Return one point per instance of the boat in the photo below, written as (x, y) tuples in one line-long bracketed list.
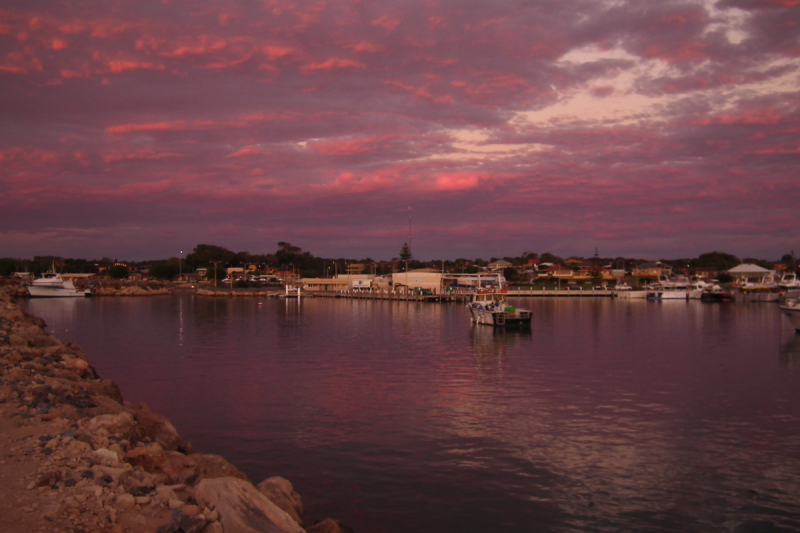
[(697, 288), (789, 282), (666, 289), (764, 290), (622, 287), (790, 307), (491, 309), (715, 293), (52, 285)]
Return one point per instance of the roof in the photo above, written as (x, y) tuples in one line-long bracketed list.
[(748, 268), (501, 262), (555, 268), (648, 266)]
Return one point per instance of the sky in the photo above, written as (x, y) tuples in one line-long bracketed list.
[(640, 128)]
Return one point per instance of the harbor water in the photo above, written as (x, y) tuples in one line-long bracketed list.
[(606, 415)]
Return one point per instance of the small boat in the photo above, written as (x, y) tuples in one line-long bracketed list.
[(715, 293), (52, 285), (491, 308), (789, 282), (666, 289), (790, 307), (622, 287)]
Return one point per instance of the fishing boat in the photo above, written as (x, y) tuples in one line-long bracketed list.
[(715, 293), (52, 285), (491, 309), (790, 307)]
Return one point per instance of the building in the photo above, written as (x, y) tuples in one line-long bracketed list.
[(651, 270), (419, 279), (557, 271), (749, 271)]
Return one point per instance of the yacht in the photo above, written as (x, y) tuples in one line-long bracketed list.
[(789, 282), (52, 285), (666, 289), (790, 307), (491, 308)]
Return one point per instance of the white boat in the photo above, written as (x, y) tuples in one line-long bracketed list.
[(789, 282), (696, 289), (52, 285), (790, 307), (666, 289), (491, 308), (622, 287)]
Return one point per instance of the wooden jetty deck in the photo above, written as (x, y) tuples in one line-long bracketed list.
[(460, 296)]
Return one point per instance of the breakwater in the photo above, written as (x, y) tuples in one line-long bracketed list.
[(77, 457)]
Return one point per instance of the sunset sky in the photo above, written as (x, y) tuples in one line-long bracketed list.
[(651, 129)]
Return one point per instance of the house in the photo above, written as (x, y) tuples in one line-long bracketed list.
[(355, 268), (424, 278), (325, 284), (595, 272), (651, 270), (703, 272), (500, 264), (557, 271)]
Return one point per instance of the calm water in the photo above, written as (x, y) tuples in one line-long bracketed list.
[(394, 417)]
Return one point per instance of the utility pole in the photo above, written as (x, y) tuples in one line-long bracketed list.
[(409, 245)]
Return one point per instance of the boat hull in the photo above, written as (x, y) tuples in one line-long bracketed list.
[(518, 318), (793, 314), (56, 292)]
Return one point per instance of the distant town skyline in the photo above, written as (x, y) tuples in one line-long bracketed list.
[(649, 129)]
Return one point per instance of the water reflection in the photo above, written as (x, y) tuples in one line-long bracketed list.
[(491, 346), (790, 352)]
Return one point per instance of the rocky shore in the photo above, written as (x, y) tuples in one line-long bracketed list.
[(76, 458)]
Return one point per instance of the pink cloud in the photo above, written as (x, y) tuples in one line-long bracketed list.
[(333, 64), (386, 22), (367, 47), (119, 66), (247, 151), (456, 182)]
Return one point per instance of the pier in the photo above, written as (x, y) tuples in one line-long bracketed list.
[(464, 295)]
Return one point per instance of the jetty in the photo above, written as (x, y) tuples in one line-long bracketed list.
[(463, 295)]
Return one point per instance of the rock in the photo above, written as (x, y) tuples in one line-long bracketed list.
[(126, 501), (78, 366), (157, 427), (281, 492), (214, 527), (151, 458), (175, 503), (242, 508), (164, 494), (214, 466), (186, 469), (191, 510), (329, 525), (122, 423), (189, 523), (106, 457), (211, 515)]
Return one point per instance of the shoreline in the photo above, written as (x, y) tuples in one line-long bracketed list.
[(77, 457)]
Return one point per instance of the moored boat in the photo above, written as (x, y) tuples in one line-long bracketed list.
[(491, 308), (790, 307), (715, 293), (52, 285)]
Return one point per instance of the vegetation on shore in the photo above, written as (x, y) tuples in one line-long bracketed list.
[(293, 258)]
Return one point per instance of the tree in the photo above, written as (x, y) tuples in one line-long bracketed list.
[(164, 270), (718, 260), (118, 271), (405, 253), (510, 273)]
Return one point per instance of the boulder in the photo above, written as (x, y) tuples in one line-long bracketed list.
[(214, 466), (151, 458), (122, 423), (156, 426), (186, 469), (281, 492), (242, 508)]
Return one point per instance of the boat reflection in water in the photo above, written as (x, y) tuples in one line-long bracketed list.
[(491, 346), (790, 352)]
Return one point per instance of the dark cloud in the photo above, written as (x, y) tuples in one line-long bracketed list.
[(142, 127)]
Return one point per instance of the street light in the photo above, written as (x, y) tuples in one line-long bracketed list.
[(180, 266)]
